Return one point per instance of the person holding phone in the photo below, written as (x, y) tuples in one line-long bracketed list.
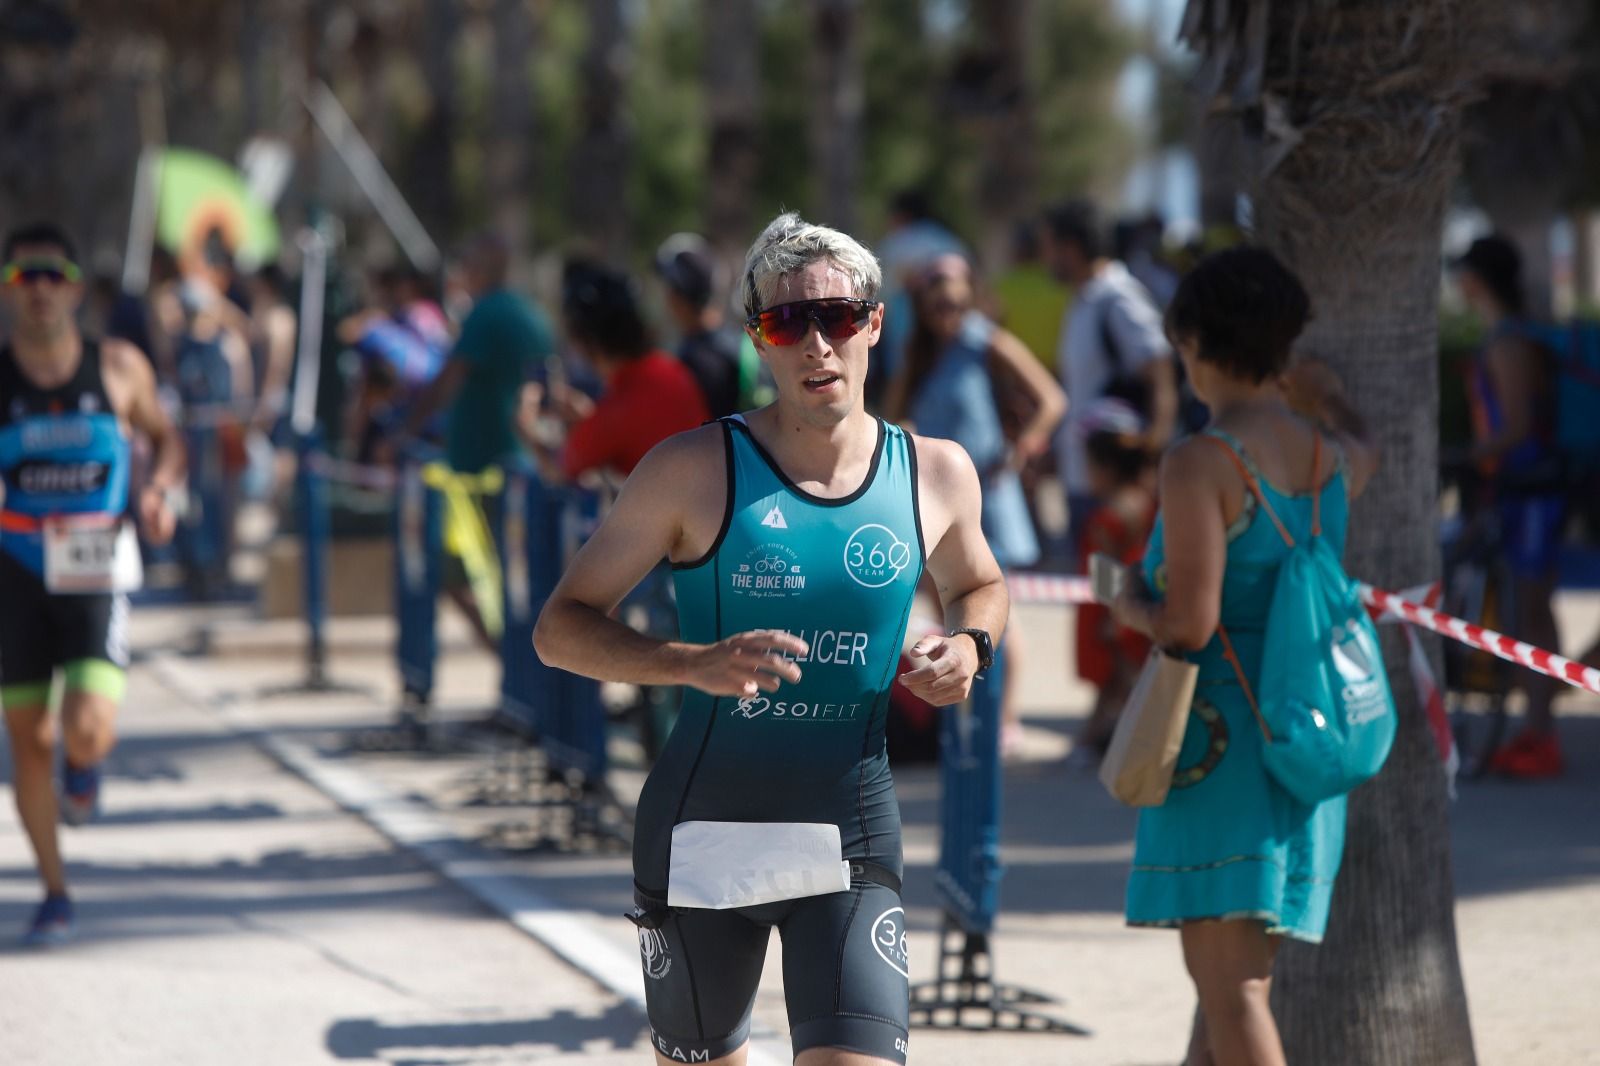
[(1231, 859)]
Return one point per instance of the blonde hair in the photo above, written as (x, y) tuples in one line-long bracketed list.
[(789, 244)]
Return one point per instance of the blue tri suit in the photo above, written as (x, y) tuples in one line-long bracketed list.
[(62, 452), (840, 574)]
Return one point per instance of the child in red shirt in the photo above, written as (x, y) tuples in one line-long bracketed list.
[(1122, 477)]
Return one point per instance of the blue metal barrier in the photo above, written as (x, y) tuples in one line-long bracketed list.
[(418, 557), (964, 993), (542, 527), (968, 876), (314, 515), (311, 498)]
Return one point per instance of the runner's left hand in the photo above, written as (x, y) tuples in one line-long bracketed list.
[(155, 516), (946, 675)]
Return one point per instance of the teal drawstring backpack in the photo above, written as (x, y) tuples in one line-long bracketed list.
[(1325, 710)]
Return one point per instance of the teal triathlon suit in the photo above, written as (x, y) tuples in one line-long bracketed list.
[(840, 574), (62, 451)]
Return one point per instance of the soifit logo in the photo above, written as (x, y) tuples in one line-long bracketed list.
[(774, 519)]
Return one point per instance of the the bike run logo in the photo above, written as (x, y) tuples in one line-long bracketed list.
[(769, 571), (875, 555)]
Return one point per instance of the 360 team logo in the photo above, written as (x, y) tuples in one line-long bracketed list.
[(653, 950), (889, 940), (875, 555)]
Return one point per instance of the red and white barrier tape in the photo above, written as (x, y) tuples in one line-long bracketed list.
[(1055, 588), (1474, 636)]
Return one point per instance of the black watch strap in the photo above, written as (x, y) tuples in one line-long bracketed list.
[(985, 644)]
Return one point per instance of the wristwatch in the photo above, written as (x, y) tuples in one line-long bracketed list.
[(985, 644)]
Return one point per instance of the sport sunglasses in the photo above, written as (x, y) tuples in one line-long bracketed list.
[(55, 271), (838, 318)]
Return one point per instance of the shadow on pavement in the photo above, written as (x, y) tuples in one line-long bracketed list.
[(217, 812), (365, 1039), (1067, 845)]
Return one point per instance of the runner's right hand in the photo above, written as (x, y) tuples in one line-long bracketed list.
[(745, 664)]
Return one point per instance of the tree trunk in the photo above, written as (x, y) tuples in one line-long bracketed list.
[(733, 100), (433, 158), (1008, 169), (511, 141), (1356, 207), (598, 193), (837, 96), (1216, 145)]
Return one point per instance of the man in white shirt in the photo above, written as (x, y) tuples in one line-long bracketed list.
[(1112, 344)]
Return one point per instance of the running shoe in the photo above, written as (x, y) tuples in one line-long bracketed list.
[(1531, 757), (52, 923), (80, 793)]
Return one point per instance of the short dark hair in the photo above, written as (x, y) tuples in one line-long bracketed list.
[(1124, 457), (1079, 222), (913, 203), (685, 263), (272, 276), (1495, 261), (39, 233), (1244, 309), (601, 308)]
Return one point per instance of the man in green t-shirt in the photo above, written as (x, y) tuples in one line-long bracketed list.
[(503, 338)]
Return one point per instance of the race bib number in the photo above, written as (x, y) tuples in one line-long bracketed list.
[(91, 554), (721, 865)]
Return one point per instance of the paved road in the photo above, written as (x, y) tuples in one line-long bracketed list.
[(233, 913)]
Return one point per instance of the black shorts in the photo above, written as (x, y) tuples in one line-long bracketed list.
[(40, 632), (845, 976)]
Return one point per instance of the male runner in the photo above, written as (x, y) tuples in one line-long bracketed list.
[(797, 534), (67, 405)]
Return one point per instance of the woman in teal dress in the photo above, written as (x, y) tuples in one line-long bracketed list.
[(1231, 859)]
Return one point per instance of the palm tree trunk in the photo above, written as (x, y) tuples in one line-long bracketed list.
[(598, 193), (838, 94), (1007, 173), (1215, 144), (433, 158), (511, 140), (733, 101), (1356, 207)]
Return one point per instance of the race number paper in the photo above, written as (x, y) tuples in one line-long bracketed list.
[(720, 865), (91, 554)]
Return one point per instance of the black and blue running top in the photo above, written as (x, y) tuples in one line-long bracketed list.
[(838, 573), (62, 452)]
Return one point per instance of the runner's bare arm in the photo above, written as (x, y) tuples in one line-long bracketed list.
[(131, 384), (970, 583), (671, 507)]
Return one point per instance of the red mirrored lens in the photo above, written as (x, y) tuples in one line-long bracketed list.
[(837, 319)]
